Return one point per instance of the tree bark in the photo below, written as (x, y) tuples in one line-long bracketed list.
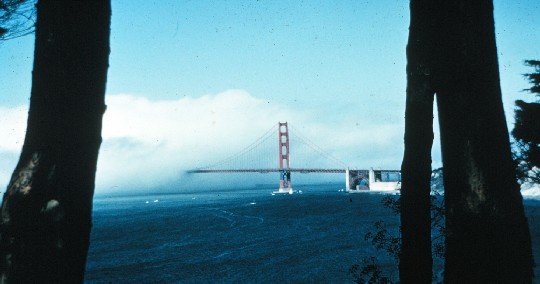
[(415, 264), (487, 237), (46, 210), (452, 52)]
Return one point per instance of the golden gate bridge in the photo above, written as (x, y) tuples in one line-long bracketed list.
[(259, 156)]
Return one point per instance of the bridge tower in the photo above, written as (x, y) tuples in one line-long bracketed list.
[(285, 185)]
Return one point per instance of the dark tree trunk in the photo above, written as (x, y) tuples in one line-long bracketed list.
[(415, 265), (452, 52), (487, 237), (46, 211)]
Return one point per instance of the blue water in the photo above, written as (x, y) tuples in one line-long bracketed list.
[(239, 236)]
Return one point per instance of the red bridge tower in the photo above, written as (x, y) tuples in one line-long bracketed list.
[(285, 185)]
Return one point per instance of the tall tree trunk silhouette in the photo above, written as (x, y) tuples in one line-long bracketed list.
[(46, 210), (452, 52), (488, 237), (415, 265)]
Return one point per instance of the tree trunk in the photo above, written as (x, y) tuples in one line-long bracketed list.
[(487, 237), (46, 210), (415, 264)]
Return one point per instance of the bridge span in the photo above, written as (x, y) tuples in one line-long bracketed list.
[(263, 171), (355, 180)]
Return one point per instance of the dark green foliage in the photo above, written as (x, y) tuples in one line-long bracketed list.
[(390, 242), (526, 130), (369, 272), (391, 203), (527, 127), (17, 18), (534, 78), (384, 240)]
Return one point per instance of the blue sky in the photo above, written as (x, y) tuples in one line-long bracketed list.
[(192, 72)]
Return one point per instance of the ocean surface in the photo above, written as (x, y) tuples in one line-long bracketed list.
[(243, 236)]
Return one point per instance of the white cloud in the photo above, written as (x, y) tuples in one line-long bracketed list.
[(530, 191), (12, 128), (149, 143)]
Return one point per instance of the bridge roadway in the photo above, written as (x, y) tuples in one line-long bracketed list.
[(276, 170), (270, 170)]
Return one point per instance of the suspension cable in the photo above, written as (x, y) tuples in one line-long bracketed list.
[(314, 146), (245, 150)]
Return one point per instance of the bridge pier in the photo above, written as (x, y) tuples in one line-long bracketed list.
[(285, 185)]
